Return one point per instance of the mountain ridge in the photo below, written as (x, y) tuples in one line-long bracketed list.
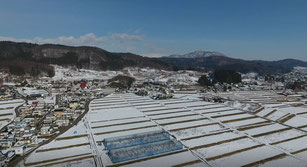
[(216, 60), (197, 54), (27, 58)]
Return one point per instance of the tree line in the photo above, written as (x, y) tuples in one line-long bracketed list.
[(220, 76)]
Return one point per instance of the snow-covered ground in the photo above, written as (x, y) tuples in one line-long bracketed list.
[(185, 77), (7, 111), (71, 148), (143, 74), (62, 73), (289, 115), (212, 134)]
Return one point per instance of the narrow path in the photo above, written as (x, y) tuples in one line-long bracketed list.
[(93, 144)]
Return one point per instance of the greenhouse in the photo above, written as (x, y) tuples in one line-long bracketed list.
[(141, 145)]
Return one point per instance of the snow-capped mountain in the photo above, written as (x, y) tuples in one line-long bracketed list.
[(197, 54), (215, 60)]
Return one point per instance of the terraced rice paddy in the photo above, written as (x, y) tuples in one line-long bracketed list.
[(209, 135), (287, 114), (7, 111), (71, 148)]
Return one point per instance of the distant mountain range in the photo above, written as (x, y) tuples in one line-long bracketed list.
[(197, 54), (215, 60), (35, 60)]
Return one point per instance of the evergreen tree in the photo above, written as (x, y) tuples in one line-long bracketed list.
[(204, 81), (227, 76)]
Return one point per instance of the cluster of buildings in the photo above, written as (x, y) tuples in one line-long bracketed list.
[(295, 80), (48, 108)]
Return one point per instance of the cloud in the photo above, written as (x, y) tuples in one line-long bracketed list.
[(89, 39), (126, 37)]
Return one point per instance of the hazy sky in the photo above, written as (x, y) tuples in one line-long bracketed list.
[(248, 29)]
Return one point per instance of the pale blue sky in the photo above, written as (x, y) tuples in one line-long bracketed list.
[(248, 29)]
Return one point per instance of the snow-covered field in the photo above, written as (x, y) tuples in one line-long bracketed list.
[(7, 111), (212, 134), (287, 114), (62, 73), (180, 77), (72, 148)]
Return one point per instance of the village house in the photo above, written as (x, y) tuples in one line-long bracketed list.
[(7, 142), (27, 139), (46, 131), (62, 122), (19, 150)]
